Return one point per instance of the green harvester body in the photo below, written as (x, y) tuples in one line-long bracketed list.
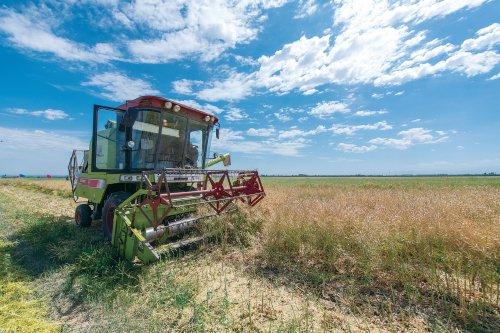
[(146, 176)]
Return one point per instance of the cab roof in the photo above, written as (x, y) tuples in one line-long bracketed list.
[(159, 102)]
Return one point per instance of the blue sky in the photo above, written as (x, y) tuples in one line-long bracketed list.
[(308, 86)]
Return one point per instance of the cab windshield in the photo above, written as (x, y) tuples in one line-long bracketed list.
[(148, 139)]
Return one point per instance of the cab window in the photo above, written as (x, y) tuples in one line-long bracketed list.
[(109, 143), (172, 141), (197, 144)]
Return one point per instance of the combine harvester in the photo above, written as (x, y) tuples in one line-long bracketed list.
[(145, 176)]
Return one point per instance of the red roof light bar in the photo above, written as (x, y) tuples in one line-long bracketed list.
[(159, 102)]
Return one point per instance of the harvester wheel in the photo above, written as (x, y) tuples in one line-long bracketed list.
[(108, 211), (83, 216)]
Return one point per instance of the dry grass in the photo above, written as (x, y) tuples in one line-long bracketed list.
[(401, 256), (58, 187), (438, 245)]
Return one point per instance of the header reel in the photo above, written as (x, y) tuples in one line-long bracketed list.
[(169, 202)]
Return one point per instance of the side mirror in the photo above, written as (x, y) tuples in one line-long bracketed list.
[(216, 155), (217, 133)]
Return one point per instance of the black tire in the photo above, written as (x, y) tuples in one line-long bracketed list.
[(108, 212), (83, 216), (97, 212)]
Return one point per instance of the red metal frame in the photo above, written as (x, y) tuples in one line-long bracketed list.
[(217, 190), (159, 102)]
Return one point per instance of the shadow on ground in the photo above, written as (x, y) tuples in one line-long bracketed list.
[(45, 245)]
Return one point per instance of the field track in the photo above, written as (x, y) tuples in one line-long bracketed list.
[(318, 254)]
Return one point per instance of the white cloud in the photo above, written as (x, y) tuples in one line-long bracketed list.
[(486, 38), (352, 148), (463, 60), (294, 66), (49, 114), (178, 29), (399, 93), (377, 96), (32, 140), (248, 61), (261, 132), (18, 111), (286, 114), (306, 8), (209, 108), (282, 117), (495, 77), (310, 91), (235, 87), (379, 43), (290, 142), (21, 145), (27, 31), (234, 141), (341, 129), (363, 113), (326, 109), (184, 86), (227, 134), (471, 64), (467, 63), (430, 50), (411, 137), (116, 86), (338, 129), (157, 31), (295, 132), (235, 114)]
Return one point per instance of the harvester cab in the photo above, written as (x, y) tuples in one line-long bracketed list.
[(145, 175)]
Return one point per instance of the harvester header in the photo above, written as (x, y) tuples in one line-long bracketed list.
[(145, 176)]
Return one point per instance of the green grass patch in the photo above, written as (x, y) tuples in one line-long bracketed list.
[(20, 309)]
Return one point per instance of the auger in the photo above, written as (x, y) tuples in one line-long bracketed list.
[(146, 176)]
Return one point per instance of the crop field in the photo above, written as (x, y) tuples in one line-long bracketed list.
[(320, 254)]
